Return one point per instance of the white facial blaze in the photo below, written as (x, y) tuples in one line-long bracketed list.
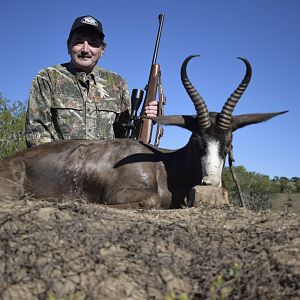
[(212, 165)]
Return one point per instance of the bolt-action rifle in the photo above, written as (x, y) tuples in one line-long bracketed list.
[(142, 126)]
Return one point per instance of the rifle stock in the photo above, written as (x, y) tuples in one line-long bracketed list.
[(146, 124)]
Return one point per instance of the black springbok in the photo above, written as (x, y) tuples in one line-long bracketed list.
[(127, 173)]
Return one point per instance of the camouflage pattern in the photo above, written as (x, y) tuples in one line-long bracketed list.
[(64, 104)]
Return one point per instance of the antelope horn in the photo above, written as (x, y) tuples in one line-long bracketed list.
[(226, 113), (200, 106)]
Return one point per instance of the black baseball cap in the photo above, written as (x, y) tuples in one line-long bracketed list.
[(87, 22)]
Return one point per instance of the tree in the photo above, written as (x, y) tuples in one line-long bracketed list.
[(12, 121), (295, 179)]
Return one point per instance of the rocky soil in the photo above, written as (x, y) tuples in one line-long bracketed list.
[(75, 250)]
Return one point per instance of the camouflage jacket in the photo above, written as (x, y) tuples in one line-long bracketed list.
[(64, 104)]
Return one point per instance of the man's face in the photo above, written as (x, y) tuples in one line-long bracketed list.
[(85, 49)]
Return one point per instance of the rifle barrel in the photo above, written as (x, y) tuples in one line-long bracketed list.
[(161, 22)]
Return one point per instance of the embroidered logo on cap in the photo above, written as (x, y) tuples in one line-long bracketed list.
[(89, 21)]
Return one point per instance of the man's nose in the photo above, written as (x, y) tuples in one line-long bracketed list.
[(85, 46)]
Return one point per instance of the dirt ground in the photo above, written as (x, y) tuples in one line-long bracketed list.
[(75, 250), (287, 202)]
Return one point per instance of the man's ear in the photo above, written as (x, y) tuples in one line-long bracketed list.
[(68, 44), (103, 46), (102, 51)]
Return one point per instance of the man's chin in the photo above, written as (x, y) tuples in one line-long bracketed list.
[(84, 66)]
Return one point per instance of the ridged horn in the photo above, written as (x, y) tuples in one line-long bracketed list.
[(200, 106), (226, 113)]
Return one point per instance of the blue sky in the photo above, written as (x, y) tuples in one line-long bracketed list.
[(266, 32)]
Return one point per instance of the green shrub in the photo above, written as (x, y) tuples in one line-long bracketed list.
[(256, 188), (12, 121)]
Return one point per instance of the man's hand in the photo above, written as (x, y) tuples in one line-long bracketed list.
[(151, 109)]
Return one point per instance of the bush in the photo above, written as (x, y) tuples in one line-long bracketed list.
[(284, 185), (256, 188), (12, 122)]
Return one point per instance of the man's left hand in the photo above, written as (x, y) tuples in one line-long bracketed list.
[(151, 109)]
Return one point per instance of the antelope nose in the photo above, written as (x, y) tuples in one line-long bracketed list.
[(206, 181), (211, 182)]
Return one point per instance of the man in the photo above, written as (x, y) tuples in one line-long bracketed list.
[(79, 100)]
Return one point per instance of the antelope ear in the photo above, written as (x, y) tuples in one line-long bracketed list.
[(248, 119), (188, 122)]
